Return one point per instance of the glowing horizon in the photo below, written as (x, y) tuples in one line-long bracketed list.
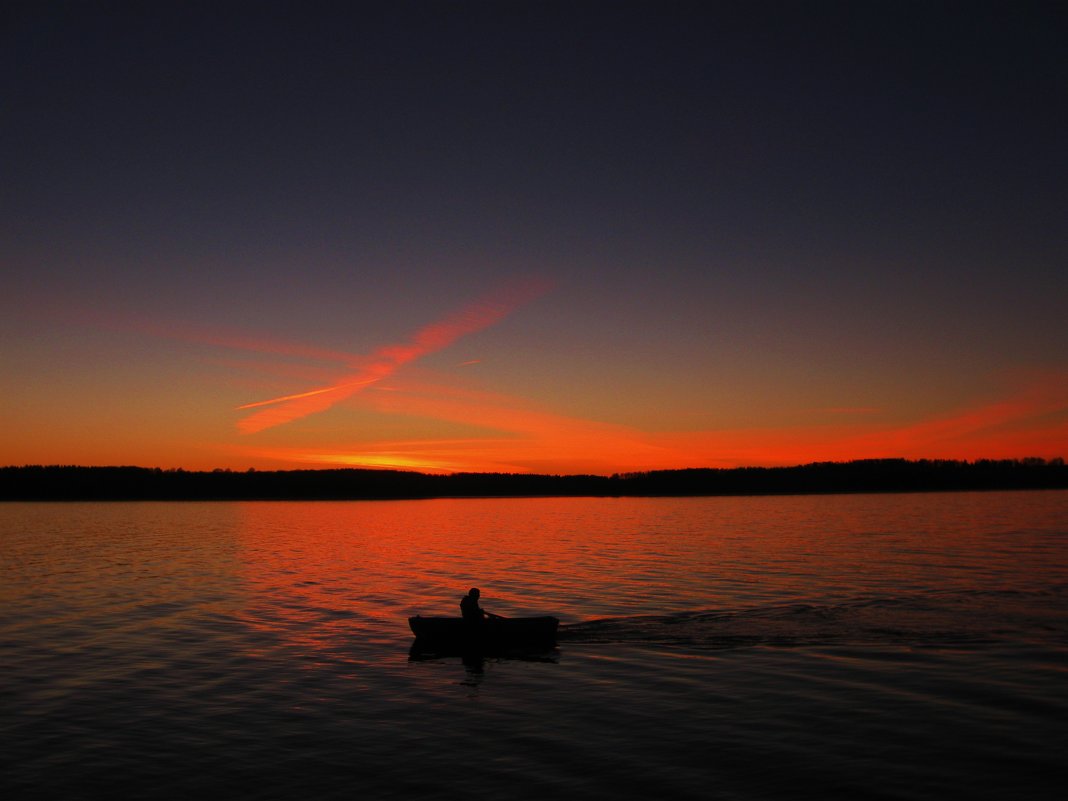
[(480, 429), (534, 441)]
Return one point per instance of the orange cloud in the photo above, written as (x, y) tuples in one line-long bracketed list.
[(387, 359), (519, 438), (983, 423), (1022, 424)]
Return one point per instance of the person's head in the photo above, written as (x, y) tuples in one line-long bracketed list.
[(473, 592)]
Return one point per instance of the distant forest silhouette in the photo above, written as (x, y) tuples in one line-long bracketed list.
[(36, 482)]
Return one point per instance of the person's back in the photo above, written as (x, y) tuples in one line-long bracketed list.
[(469, 607)]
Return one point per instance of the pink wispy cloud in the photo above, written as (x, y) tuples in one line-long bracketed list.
[(1024, 422), (384, 361), (519, 438)]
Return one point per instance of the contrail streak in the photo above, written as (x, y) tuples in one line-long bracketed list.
[(306, 394), (387, 359)]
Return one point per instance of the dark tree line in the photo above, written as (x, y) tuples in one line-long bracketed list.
[(38, 482)]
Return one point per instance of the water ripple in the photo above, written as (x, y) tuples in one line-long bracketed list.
[(907, 647)]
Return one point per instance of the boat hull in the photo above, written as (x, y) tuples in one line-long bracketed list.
[(455, 634)]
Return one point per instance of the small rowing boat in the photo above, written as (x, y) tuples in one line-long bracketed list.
[(497, 633)]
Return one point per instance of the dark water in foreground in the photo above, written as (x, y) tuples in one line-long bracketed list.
[(891, 646)]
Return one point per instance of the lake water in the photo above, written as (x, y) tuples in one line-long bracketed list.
[(910, 646)]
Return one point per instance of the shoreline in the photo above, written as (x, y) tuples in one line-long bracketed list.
[(126, 483)]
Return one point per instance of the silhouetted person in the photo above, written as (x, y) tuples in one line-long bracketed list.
[(470, 609)]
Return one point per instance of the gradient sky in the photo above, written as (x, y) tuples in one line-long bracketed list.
[(527, 236)]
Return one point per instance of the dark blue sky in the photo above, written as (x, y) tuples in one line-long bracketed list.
[(708, 186)]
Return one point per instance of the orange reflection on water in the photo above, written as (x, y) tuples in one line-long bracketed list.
[(321, 573), (323, 576)]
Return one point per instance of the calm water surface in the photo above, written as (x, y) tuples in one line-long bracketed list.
[(866, 646)]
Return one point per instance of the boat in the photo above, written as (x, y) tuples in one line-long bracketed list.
[(496, 634)]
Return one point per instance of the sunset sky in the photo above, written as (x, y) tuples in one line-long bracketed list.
[(532, 236)]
